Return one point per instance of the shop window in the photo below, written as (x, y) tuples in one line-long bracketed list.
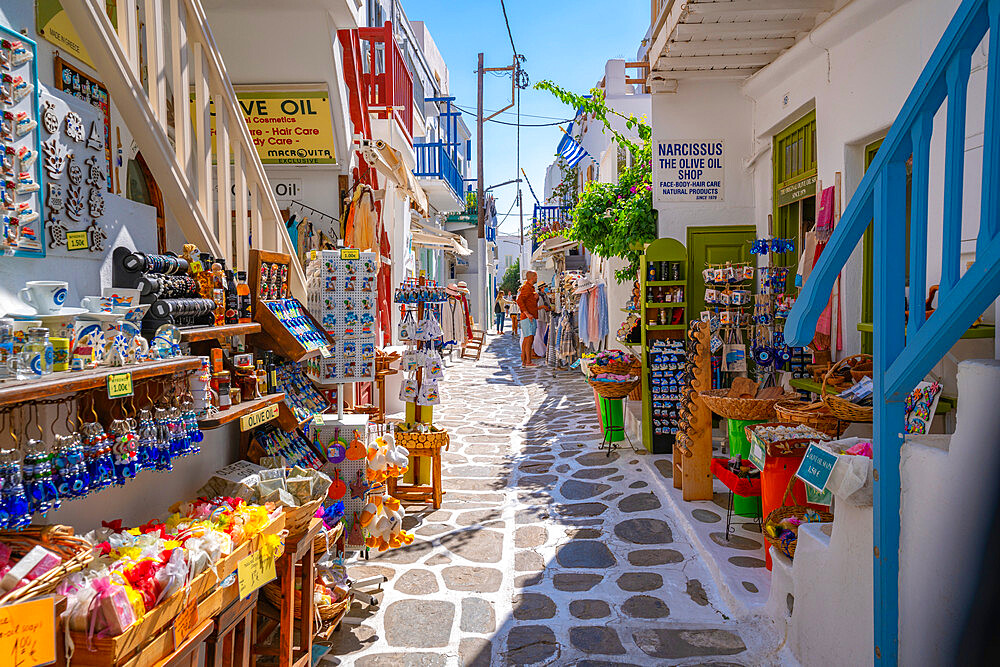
[(141, 187), (794, 167)]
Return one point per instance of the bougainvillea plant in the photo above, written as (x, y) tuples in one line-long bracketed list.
[(614, 219)]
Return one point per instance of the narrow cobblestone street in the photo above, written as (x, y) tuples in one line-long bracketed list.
[(545, 550)]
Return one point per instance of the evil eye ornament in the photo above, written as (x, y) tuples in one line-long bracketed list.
[(763, 356)]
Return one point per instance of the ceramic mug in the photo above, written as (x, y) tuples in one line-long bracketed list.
[(97, 304), (45, 296)]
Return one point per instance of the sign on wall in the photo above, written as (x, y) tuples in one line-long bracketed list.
[(286, 126), (54, 25), (686, 171)]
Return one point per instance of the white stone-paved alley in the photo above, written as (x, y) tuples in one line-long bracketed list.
[(545, 550)]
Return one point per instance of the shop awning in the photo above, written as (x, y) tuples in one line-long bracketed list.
[(426, 240), (552, 246), (390, 162)]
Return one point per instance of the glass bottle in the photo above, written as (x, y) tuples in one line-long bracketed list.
[(219, 293), (243, 290), (261, 378), (232, 299), (6, 347), (204, 277), (37, 354)]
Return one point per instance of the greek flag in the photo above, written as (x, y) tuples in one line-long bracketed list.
[(571, 151)]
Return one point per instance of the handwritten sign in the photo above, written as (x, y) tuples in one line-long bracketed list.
[(77, 241), (258, 417), (254, 571), (120, 385), (350, 253), (186, 622), (816, 466), (28, 633)]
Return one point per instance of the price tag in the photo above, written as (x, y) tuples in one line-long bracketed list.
[(258, 417), (254, 571), (756, 454), (185, 622), (324, 351), (120, 385), (350, 253), (77, 241), (816, 467), (28, 632)]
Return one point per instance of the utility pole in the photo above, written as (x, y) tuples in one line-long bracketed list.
[(480, 202)]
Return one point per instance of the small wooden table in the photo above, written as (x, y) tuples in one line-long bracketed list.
[(229, 643), (417, 492), (296, 563), (189, 652)]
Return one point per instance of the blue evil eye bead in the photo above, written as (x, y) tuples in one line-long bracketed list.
[(763, 356), (60, 296)]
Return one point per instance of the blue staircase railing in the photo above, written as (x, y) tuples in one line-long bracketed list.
[(434, 161), (905, 352), (548, 218)]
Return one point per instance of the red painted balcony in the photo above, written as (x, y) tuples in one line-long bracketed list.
[(386, 83)]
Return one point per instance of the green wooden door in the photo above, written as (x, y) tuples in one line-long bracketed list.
[(714, 245)]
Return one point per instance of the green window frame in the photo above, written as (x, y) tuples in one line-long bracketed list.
[(793, 162)]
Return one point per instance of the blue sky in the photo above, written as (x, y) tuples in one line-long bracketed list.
[(566, 42)]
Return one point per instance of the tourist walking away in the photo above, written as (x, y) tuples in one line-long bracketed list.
[(527, 304), (515, 312), (498, 313)]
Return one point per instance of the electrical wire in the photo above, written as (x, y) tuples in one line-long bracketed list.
[(509, 34), (472, 112)]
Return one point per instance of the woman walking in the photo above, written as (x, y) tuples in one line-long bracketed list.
[(498, 313), (515, 318)]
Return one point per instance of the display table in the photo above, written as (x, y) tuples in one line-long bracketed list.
[(189, 651), (295, 572), (229, 643)]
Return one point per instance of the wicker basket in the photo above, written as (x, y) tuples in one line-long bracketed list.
[(326, 612), (613, 389), (75, 551), (841, 408), (326, 540), (297, 518), (749, 409), (785, 511), (430, 440), (634, 367), (863, 367), (816, 415), (636, 394)]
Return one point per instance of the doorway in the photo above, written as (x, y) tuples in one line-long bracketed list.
[(140, 186), (713, 245)]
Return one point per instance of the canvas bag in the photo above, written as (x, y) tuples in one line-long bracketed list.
[(734, 353), (408, 390)]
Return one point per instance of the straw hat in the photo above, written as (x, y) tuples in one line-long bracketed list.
[(462, 287)]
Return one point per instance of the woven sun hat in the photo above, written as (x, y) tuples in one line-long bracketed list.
[(463, 287)]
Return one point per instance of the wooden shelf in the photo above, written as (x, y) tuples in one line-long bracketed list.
[(665, 283), (72, 382), (945, 403), (244, 408), (629, 310), (982, 331), (675, 304), (219, 333), (287, 419), (665, 327)]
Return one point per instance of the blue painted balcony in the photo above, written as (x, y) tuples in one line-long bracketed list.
[(546, 219), (439, 175)]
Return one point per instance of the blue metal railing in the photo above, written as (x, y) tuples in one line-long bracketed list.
[(905, 353), (434, 161), (548, 218)]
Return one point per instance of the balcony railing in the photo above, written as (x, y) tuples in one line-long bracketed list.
[(434, 161), (387, 83), (548, 219)]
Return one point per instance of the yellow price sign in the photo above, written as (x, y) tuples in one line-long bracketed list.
[(120, 385), (28, 632), (254, 571), (350, 253), (258, 417), (77, 241)]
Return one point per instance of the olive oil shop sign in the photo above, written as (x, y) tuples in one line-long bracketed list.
[(286, 126), (686, 171)]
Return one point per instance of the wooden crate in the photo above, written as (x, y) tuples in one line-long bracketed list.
[(151, 638)]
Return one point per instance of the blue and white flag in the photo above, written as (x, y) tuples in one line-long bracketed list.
[(571, 151)]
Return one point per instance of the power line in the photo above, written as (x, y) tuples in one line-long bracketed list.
[(509, 34), (512, 113)]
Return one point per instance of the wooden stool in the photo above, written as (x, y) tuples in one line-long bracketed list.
[(296, 563), (229, 643), (417, 492)]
